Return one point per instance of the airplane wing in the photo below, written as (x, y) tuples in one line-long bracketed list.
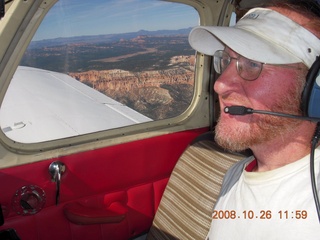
[(54, 105)]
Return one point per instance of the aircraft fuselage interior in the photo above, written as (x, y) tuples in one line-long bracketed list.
[(99, 100)]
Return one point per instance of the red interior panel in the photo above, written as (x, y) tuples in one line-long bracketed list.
[(98, 188)]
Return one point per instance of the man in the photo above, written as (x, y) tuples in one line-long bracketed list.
[(263, 62)]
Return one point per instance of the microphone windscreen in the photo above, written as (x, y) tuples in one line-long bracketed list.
[(236, 110)]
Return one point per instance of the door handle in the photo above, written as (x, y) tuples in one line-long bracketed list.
[(56, 169)]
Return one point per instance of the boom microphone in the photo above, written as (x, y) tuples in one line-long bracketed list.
[(241, 110)]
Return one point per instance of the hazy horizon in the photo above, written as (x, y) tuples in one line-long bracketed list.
[(73, 18), (85, 36)]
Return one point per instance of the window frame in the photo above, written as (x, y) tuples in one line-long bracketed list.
[(196, 116)]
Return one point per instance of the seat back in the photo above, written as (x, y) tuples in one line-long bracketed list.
[(186, 207)]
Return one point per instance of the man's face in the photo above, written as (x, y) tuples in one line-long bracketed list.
[(277, 89)]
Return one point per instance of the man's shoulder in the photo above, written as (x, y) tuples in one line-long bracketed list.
[(233, 174)]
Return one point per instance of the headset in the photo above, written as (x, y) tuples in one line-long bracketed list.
[(310, 97), (310, 106)]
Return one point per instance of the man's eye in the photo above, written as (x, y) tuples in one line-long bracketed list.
[(252, 64), (224, 63)]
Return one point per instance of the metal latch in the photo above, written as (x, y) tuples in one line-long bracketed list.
[(56, 169)]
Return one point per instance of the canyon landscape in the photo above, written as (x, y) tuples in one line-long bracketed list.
[(150, 72)]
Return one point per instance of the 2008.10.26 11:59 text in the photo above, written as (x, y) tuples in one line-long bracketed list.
[(262, 214)]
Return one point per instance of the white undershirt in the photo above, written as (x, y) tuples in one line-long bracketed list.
[(270, 205)]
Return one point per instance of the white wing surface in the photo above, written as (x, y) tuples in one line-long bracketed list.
[(42, 105)]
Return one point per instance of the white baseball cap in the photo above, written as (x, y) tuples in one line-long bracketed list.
[(262, 35)]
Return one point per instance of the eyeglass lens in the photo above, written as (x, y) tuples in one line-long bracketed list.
[(246, 68)]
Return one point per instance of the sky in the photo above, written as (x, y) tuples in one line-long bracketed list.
[(69, 18)]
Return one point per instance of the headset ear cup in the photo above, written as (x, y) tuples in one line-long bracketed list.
[(310, 98)]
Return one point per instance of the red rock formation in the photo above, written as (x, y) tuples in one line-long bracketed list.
[(143, 91)]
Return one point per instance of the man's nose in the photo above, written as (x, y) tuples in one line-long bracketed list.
[(229, 80)]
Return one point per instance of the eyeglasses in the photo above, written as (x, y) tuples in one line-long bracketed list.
[(247, 69)]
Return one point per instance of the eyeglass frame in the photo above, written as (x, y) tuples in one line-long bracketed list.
[(237, 64)]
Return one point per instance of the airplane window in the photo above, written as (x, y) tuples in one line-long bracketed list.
[(97, 65)]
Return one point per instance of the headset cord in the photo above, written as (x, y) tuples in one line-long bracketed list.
[(314, 142)]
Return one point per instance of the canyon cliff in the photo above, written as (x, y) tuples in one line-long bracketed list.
[(157, 94)]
